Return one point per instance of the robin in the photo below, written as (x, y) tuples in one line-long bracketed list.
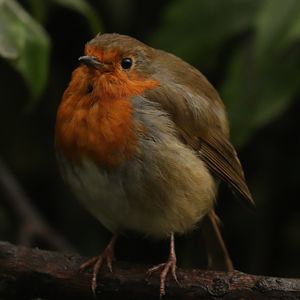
[(142, 138)]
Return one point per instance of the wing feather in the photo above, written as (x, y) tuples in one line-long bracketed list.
[(221, 158)]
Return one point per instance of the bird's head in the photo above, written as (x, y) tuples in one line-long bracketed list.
[(114, 66)]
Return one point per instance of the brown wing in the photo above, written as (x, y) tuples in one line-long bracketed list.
[(221, 158)]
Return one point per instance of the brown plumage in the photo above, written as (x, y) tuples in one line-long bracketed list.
[(209, 134), (142, 138)]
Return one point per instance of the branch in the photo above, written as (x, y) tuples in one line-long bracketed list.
[(32, 224), (26, 272)]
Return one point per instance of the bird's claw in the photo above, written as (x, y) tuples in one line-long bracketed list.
[(165, 268), (88, 264), (96, 263)]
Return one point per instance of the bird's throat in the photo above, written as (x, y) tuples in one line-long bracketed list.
[(103, 131)]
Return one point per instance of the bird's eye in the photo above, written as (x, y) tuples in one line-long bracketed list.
[(126, 63)]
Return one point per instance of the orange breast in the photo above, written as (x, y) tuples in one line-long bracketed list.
[(95, 117), (100, 129)]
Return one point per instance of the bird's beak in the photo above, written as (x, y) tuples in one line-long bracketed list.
[(92, 61)]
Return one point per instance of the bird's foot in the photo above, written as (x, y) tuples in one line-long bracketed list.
[(165, 268), (96, 263)]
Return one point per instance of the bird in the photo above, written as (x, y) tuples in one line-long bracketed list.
[(142, 138)]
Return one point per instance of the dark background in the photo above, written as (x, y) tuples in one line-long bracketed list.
[(249, 50)]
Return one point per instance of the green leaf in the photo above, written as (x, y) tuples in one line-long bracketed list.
[(264, 76), (25, 44), (277, 27), (195, 30), (84, 8), (39, 10), (255, 95)]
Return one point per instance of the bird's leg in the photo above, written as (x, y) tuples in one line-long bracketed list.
[(97, 261), (217, 254), (165, 268)]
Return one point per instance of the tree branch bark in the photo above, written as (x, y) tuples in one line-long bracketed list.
[(26, 272)]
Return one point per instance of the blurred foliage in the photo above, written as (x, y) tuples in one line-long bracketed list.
[(264, 76), (249, 50), (40, 10), (25, 44)]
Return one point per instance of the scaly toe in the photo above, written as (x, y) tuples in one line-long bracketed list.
[(97, 263), (165, 268), (155, 269), (96, 270), (88, 264)]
